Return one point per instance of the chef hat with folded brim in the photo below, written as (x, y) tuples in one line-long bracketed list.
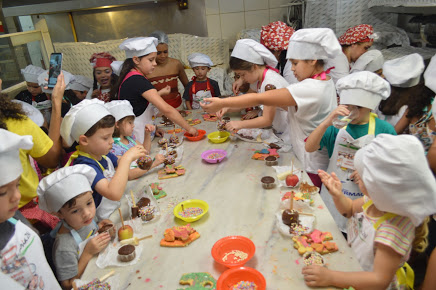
[(430, 75), (139, 46), (80, 83), (254, 52), (117, 66), (43, 82), (33, 113), (364, 89), (31, 73), (10, 147), (369, 61), (396, 173), (120, 109), (80, 118), (199, 59), (58, 188), (313, 43), (404, 72)]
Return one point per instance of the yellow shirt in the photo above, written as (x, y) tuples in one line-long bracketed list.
[(41, 145)]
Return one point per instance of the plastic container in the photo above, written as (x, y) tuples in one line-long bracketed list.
[(218, 136), (200, 136), (220, 152), (233, 243), (235, 275), (191, 203)]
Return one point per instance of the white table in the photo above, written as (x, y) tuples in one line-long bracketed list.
[(238, 205)]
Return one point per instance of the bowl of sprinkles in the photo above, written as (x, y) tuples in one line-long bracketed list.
[(233, 251), (241, 278), (214, 155), (191, 210)]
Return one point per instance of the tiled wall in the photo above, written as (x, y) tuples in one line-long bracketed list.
[(225, 18)]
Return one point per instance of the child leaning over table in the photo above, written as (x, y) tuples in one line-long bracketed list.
[(123, 134), (389, 220), (22, 255), (91, 125), (201, 86), (67, 194), (360, 92)]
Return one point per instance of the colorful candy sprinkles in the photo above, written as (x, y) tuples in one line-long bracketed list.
[(215, 156), (244, 285), (238, 256), (191, 212)]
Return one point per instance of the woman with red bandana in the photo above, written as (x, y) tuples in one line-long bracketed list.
[(104, 77)]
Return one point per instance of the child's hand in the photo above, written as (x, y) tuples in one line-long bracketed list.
[(104, 222), (59, 89), (221, 112), (355, 177), (95, 93), (134, 153), (233, 126), (97, 244), (332, 182), (165, 91), (159, 132), (316, 276), (150, 128), (251, 115), (193, 131), (341, 110), (159, 159), (213, 106)]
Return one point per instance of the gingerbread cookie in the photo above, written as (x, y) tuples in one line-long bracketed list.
[(157, 190), (170, 172), (179, 236), (198, 281), (317, 241)]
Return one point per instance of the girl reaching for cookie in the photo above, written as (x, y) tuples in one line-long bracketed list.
[(388, 222)]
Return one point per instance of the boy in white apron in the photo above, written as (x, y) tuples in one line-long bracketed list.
[(399, 190), (67, 194), (91, 125), (363, 90), (21, 251)]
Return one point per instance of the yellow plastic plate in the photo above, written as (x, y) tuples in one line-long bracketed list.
[(218, 136), (191, 203)]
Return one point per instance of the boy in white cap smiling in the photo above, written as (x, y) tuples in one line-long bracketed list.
[(91, 125), (20, 247), (389, 220), (359, 92), (201, 86), (33, 94), (67, 194)]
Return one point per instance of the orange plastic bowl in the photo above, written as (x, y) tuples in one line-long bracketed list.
[(235, 275), (232, 243), (200, 136)]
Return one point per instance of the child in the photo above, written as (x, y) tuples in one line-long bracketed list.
[(91, 125), (361, 91), (67, 194), (389, 221), (201, 86), (21, 250), (123, 134), (75, 92), (33, 94), (371, 60), (103, 76), (309, 102), (255, 64), (403, 74)]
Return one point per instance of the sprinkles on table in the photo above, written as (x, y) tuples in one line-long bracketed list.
[(215, 156), (244, 285), (238, 256), (191, 212)]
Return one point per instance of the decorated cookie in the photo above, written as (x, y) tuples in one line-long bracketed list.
[(307, 188), (198, 281), (95, 284), (316, 241), (210, 117), (157, 190), (170, 172), (180, 236), (174, 139), (313, 258)]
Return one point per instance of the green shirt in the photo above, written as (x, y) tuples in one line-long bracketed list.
[(356, 131)]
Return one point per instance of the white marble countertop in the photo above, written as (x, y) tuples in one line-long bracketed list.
[(238, 205)]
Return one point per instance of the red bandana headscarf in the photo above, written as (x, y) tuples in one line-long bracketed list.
[(101, 59), (359, 33), (275, 36)]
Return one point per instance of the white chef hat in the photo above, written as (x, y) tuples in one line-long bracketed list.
[(117, 66), (33, 113), (160, 36), (31, 73), (138, 46), (313, 43), (199, 59), (371, 60), (396, 174), (430, 75), (64, 184), (254, 52), (364, 89), (43, 82), (80, 83), (80, 118), (120, 109), (404, 72), (10, 162)]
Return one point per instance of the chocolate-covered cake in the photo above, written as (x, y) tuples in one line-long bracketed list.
[(110, 229), (126, 253), (271, 160), (174, 139), (145, 162), (267, 182), (169, 159), (144, 201)]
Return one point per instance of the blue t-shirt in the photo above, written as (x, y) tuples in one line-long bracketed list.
[(356, 131), (90, 162)]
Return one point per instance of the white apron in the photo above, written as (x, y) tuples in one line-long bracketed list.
[(23, 260), (342, 163), (107, 206), (145, 118), (198, 97)]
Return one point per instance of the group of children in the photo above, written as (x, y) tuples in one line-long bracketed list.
[(367, 173)]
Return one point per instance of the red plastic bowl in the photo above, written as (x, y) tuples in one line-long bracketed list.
[(200, 136), (230, 243), (235, 275)]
